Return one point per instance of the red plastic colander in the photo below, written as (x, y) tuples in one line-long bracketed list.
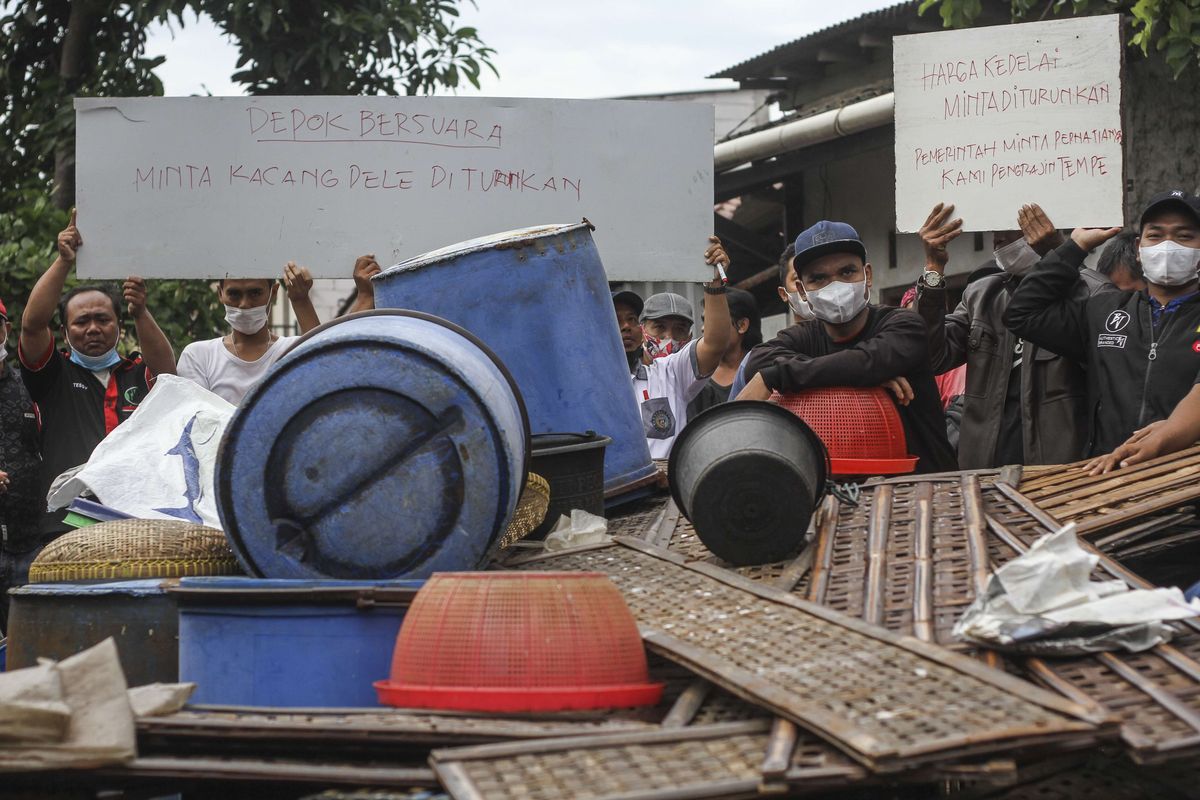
[(521, 641), (860, 427)]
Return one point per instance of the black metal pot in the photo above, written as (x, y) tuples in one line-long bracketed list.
[(749, 476), (573, 465)]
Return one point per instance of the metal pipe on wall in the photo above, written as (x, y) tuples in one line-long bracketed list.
[(802, 133)]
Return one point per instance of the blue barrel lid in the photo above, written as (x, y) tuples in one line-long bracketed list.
[(226, 590), (138, 588), (385, 444), (228, 582), (514, 239)]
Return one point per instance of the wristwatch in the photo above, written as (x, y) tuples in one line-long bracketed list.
[(932, 279)]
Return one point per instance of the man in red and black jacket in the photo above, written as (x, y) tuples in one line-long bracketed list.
[(85, 390)]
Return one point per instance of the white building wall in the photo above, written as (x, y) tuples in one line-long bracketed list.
[(861, 191)]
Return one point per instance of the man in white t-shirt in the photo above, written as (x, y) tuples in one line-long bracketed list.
[(229, 365), (673, 367)]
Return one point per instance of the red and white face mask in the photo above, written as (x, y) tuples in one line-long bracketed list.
[(660, 348)]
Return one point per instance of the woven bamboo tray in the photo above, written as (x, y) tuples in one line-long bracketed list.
[(530, 511), (909, 556), (889, 702), (1098, 777), (382, 728), (1156, 694), (135, 548), (701, 762), (1118, 500)]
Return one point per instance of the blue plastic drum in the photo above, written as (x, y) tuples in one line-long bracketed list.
[(288, 644), (383, 445), (539, 298)]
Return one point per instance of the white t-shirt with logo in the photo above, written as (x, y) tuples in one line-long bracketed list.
[(210, 364), (663, 389)]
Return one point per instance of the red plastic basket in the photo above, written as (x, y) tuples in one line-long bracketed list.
[(860, 427), (529, 641)]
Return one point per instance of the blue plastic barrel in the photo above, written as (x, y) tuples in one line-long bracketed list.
[(388, 444), (288, 644), (539, 298)]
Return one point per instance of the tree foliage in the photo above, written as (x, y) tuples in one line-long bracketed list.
[(1170, 28), (52, 51)]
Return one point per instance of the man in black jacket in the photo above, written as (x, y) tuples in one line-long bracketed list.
[(852, 342), (21, 498), (1141, 348), (1022, 404)]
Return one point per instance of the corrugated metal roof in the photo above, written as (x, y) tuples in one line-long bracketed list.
[(763, 65)]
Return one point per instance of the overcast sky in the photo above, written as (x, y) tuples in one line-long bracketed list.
[(566, 48)]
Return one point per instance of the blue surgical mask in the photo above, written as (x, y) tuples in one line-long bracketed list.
[(95, 363)]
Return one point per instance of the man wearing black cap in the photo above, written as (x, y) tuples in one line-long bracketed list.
[(1141, 348), (1021, 404), (852, 342), (629, 307), (21, 501)]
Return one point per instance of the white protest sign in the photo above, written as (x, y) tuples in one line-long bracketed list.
[(204, 187), (990, 119)]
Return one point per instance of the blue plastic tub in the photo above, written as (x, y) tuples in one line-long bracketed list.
[(288, 643)]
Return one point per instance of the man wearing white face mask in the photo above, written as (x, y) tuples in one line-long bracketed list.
[(1141, 348), (229, 365), (1021, 404), (852, 342)]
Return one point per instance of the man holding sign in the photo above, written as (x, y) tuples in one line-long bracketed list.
[(1141, 348), (229, 365), (1022, 404), (85, 390)]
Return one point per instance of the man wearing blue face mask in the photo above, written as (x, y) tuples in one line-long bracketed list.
[(87, 389), (1141, 348), (852, 342), (1022, 404)]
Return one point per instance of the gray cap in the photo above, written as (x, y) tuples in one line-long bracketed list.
[(667, 304)]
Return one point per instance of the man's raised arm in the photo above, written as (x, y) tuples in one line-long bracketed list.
[(36, 336)]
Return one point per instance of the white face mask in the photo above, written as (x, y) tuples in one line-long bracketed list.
[(1016, 258), (1169, 263), (247, 320), (800, 309), (838, 302)]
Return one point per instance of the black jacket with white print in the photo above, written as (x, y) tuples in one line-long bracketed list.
[(1138, 367)]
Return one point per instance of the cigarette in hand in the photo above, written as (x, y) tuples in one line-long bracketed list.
[(721, 272)]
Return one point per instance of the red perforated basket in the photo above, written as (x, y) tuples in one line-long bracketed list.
[(527, 641), (860, 427)]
